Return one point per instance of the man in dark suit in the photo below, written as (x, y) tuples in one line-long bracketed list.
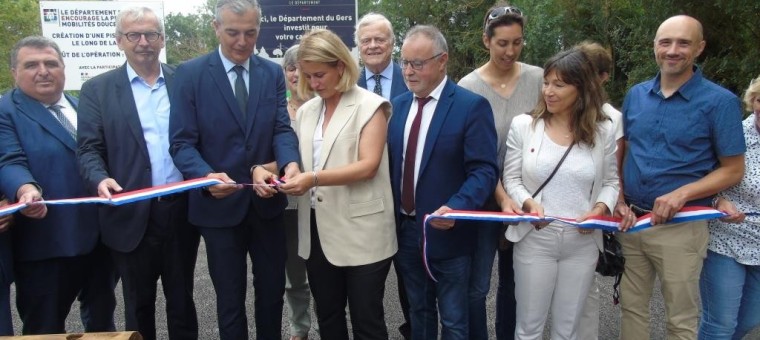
[(124, 145), (442, 146), (56, 250), (229, 121), (375, 38), (380, 74)]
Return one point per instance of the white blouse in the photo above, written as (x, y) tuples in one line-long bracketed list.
[(742, 241)]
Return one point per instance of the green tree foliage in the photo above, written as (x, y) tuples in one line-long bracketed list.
[(625, 27), (190, 35), (18, 19)]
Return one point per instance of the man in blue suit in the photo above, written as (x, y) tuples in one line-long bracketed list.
[(124, 145), (375, 38), (229, 121), (442, 147), (56, 250)]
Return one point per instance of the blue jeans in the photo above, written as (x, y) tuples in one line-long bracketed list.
[(730, 298), (428, 298), (480, 277), (506, 304)]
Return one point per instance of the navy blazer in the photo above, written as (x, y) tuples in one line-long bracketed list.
[(112, 144), (209, 134), (398, 86), (458, 167), (35, 148)]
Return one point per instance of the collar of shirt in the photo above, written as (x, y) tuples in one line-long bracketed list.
[(132, 76), (436, 93), (387, 73), (686, 90), (228, 64)]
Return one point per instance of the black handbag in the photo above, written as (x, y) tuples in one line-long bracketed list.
[(611, 262)]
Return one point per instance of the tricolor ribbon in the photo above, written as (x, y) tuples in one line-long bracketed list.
[(687, 214), (130, 196)]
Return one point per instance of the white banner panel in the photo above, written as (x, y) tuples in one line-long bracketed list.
[(86, 33)]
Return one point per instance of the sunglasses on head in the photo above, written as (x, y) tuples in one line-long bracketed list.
[(497, 12)]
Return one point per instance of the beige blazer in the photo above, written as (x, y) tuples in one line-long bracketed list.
[(355, 221), (520, 167)]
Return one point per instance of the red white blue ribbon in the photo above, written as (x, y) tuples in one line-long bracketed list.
[(687, 214), (129, 197)]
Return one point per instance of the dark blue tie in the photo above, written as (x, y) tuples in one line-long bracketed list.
[(241, 93)]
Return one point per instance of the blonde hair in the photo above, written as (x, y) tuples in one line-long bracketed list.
[(324, 46), (753, 91)]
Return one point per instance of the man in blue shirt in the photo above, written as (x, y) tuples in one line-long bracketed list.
[(684, 144), (124, 146)]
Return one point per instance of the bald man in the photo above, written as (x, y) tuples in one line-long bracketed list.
[(683, 146)]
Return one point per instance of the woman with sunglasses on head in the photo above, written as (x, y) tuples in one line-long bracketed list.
[(346, 229), (512, 88), (565, 147)]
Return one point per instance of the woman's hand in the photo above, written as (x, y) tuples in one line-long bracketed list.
[(599, 209), (298, 184), (532, 207), (728, 207)]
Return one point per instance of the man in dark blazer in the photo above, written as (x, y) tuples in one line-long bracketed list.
[(56, 249), (124, 146), (451, 164), (229, 121), (375, 38)]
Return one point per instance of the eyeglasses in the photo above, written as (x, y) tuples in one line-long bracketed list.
[(136, 36), (497, 12), (417, 64)]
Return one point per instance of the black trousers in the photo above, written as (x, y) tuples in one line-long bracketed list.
[(46, 289), (226, 248), (168, 251), (363, 287)]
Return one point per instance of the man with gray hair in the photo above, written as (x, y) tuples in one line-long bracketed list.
[(380, 74), (124, 131), (375, 39), (57, 254), (229, 121), (442, 151)]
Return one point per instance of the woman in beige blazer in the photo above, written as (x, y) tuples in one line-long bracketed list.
[(346, 228), (554, 264)]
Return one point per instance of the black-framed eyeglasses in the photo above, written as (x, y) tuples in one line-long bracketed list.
[(136, 36), (417, 64), (497, 12)]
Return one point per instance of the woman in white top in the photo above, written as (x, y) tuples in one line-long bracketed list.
[(346, 227), (512, 88), (554, 263)]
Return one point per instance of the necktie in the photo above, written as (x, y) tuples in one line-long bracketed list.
[(407, 186), (63, 120), (241, 93), (378, 88)]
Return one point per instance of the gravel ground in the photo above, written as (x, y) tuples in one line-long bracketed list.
[(206, 306)]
